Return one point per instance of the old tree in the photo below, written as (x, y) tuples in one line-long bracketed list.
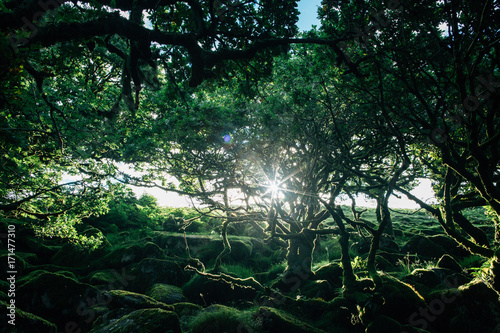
[(231, 100)]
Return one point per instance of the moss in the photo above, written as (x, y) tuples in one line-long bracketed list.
[(143, 321), (220, 318), (103, 277), (128, 299), (71, 256), (166, 293), (383, 324), (395, 299), (206, 291), (274, 320), (53, 296), (28, 322), (128, 254), (237, 270), (186, 308), (152, 271)]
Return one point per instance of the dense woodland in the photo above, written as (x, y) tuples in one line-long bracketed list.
[(267, 129)]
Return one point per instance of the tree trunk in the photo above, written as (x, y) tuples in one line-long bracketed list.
[(299, 258)]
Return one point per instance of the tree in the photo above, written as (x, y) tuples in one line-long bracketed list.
[(94, 72), (444, 56)]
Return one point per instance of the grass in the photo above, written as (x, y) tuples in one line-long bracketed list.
[(237, 270), (408, 265)]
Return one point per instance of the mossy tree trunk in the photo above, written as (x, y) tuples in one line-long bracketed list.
[(299, 255)]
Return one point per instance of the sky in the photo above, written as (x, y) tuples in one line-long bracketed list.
[(308, 14)]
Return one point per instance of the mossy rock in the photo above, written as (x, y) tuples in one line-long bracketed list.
[(165, 293), (317, 289), (71, 256), (186, 308), (383, 324), (219, 318), (332, 273), (131, 254), (53, 296), (388, 244), (470, 308), (450, 245), (448, 262), (425, 277), (203, 291), (341, 311), (30, 258), (100, 278), (103, 315), (27, 322), (483, 305), (424, 246), (128, 299), (427, 280), (383, 264), (44, 252), (151, 271), (143, 321), (274, 320), (241, 250), (397, 299)]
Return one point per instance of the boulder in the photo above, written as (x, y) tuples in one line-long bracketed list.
[(127, 299), (130, 254), (332, 273), (166, 293), (388, 244), (423, 246), (473, 307), (55, 297), (219, 318), (27, 322), (71, 256), (383, 324), (142, 321), (150, 271), (450, 245), (186, 309), (205, 291), (274, 320), (448, 262), (398, 300)]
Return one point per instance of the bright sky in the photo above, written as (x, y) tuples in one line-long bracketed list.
[(308, 14), (423, 192)]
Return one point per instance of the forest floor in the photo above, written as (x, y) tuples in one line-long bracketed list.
[(140, 281)]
